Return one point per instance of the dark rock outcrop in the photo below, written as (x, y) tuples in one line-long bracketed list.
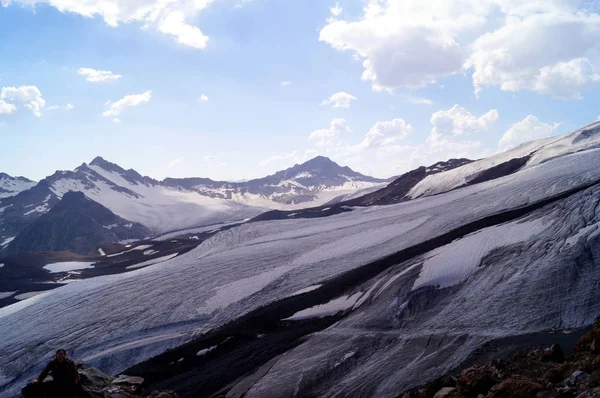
[(76, 223)]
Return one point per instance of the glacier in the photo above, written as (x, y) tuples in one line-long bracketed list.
[(417, 319)]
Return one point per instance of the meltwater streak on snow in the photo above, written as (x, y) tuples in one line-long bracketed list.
[(455, 262), (68, 266), (107, 311)]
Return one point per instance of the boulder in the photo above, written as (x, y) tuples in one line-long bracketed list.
[(554, 354), (516, 387), (96, 384), (576, 378), (444, 392), (476, 380)]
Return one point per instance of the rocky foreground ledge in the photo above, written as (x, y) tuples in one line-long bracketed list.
[(539, 373), (96, 384)]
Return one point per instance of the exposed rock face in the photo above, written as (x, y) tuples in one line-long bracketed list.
[(76, 223), (96, 384)]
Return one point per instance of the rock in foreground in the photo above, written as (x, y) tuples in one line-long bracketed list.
[(96, 384)]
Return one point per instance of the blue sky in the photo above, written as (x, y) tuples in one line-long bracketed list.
[(412, 102)]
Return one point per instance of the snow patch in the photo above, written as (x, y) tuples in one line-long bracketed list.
[(25, 296), (206, 350), (68, 266), (4, 295), (457, 261), (7, 241), (305, 290), (328, 309)]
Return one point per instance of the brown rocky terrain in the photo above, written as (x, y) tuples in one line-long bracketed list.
[(538, 373)]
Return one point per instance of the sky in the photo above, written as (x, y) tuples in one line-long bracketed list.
[(238, 89)]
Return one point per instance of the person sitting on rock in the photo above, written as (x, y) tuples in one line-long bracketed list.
[(65, 379)]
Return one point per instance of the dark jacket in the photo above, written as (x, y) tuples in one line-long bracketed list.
[(64, 372)]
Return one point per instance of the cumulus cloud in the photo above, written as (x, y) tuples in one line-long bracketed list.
[(97, 76), (384, 134), (6, 108), (29, 96), (336, 10), (174, 24), (285, 83), (339, 100), (538, 45), (211, 158), (69, 107), (115, 109), (528, 129), (330, 136), (203, 98), (167, 16), (457, 121)]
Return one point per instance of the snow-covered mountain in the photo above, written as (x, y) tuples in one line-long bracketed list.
[(311, 183), (366, 303), (177, 204), (10, 186)]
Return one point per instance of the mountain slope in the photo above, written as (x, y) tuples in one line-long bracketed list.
[(75, 223), (365, 303), (177, 204), (10, 186)]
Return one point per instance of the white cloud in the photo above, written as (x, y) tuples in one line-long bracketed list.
[(285, 83), (404, 43), (331, 136), (175, 162), (203, 98), (116, 108), (384, 134), (336, 10), (420, 101), (339, 100), (29, 96), (67, 107), (457, 121), (543, 46), (174, 24), (528, 129), (211, 158), (6, 108), (546, 53), (97, 76), (168, 16)]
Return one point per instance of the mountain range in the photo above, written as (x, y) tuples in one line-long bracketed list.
[(173, 204), (446, 265)]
